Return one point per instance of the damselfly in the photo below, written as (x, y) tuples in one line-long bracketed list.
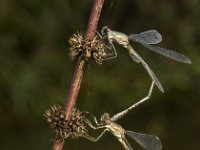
[(148, 142), (147, 39)]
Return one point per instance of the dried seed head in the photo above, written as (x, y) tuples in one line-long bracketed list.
[(66, 128), (87, 48), (76, 43), (56, 118)]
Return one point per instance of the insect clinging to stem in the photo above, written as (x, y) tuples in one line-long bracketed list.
[(148, 39), (148, 142)]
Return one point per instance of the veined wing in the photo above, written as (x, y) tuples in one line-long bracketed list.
[(148, 142), (146, 37), (169, 53)]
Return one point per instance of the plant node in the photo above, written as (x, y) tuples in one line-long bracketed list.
[(87, 48), (64, 128)]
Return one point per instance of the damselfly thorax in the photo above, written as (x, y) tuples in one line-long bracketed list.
[(116, 36)]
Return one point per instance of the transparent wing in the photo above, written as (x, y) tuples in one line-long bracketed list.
[(148, 142), (146, 37), (169, 53)]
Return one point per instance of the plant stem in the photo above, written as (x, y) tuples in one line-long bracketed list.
[(74, 88), (94, 18), (79, 70)]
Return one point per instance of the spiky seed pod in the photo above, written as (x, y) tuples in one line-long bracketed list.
[(88, 48), (76, 43), (56, 118), (94, 47), (76, 126), (66, 128)]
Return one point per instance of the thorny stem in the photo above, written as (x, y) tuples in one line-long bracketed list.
[(79, 70)]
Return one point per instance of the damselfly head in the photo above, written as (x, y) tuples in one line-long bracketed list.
[(104, 30), (105, 118)]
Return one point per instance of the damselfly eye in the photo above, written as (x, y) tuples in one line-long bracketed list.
[(105, 118), (104, 30)]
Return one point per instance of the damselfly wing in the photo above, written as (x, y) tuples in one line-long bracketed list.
[(150, 37), (148, 142)]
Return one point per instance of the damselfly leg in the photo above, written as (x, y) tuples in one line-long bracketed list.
[(112, 53)]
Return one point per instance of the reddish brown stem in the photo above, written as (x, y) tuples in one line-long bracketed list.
[(74, 89), (94, 18), (58, 144), (79, 70)]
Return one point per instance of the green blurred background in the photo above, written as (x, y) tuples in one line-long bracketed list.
[(36, 72)]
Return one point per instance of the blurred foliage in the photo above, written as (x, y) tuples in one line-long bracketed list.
[(36, 72)]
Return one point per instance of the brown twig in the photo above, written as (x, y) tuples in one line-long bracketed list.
[(79, 70)]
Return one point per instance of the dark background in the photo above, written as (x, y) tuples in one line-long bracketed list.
[(36, 72)]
